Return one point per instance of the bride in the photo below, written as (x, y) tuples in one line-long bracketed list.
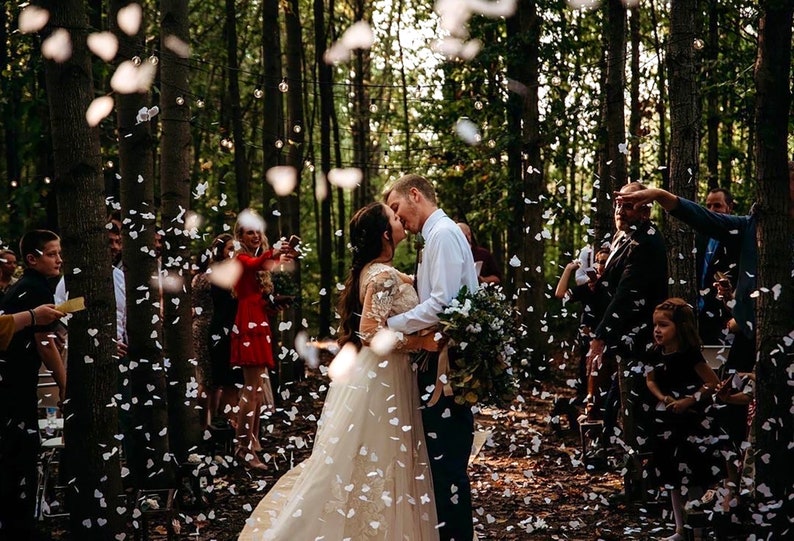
[(368, 476)]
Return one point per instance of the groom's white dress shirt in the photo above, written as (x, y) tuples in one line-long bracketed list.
[(446, 266)]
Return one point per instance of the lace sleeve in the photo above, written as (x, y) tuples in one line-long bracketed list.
[(378, 299)]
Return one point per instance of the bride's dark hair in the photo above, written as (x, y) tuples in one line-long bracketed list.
[(366, 231)]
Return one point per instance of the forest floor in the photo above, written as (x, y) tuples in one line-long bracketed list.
[(528, 480)]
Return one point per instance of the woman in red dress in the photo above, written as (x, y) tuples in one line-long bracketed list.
[(251, 346)]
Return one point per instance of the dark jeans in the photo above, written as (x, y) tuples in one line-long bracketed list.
[(449, 432)]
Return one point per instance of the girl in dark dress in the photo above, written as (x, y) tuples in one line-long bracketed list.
[(685, 448)]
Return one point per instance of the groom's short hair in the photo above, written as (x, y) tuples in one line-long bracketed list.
[(404, 184)]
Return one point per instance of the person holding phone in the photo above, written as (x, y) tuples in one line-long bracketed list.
[(583, 293)]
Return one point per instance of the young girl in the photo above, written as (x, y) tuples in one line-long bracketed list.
[(683, 384)]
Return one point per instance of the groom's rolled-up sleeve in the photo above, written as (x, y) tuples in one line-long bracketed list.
[(445, 259)]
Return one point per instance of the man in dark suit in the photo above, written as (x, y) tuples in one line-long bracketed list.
[(634, 281), (716, 261)]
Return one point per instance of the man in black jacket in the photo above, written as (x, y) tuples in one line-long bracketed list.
[(634, 281)]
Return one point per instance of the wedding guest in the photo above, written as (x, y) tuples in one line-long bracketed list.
[(13, 323), (634, 280), (8, 269), (446, 266), (489, 272), (585, 294), (251, 338), (214, 311), (716, 262), (368, 475), (684, 451), (19, 374)]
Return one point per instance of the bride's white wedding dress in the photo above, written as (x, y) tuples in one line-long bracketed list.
[(368, 476)]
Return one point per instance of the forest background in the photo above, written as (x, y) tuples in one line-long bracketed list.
[(526, 115)]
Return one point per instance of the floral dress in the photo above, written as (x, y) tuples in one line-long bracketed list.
[(368, 476)]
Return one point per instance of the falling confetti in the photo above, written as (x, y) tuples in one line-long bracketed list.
[(58, 47), (98, 110), (32, 19), (103, 44)]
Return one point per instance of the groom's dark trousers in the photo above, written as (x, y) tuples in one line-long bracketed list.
[(449, 432)]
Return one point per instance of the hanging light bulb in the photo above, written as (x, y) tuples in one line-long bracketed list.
[(556, 81), (14, 184), (373, 107), (478, 104), (200, 103), (136, 60), (153, 60), (109, 164), (279, 143), (258, 93), (180, 100), (698, 44), (283, 86), (47, 180), (297, 127)]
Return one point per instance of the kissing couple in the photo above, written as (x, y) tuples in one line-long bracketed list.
[(386, 464)]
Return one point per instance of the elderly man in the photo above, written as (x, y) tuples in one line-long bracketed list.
[(445, 267), (633, 282)]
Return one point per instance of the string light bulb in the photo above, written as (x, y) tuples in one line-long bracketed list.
[(136, 60), (698, 44), (200, 103), (153, 60), (279, 143), (373, 107), (478, 104), (258, 93), (180, 100), (556, 81), (283, 86)]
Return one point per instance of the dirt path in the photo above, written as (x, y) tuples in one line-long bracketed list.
[(528, 481)]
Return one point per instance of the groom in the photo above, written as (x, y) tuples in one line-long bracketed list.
[(445, 266)]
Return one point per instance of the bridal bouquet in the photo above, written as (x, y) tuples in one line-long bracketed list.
[(482, 326)]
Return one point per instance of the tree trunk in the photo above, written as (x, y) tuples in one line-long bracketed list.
[(634, 92), (773, 423), (325, 243), (360, 114), (684, 141), (289, 222), (712, 95), (272, 123), (184, 424), (524, 235), (661, 106), (241, 172), (615, 101), (92, 450), (145, 441)]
